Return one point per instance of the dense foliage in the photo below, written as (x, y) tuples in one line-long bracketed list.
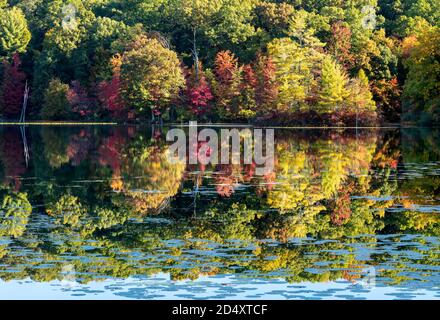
[(326, 61)]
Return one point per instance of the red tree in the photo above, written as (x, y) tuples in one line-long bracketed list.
[(109, 92), (266, 87), (199, 97), (340, 44), (79, 99), (228, 78), (12, 156), (14, 81), (198, 92), (249, 78)]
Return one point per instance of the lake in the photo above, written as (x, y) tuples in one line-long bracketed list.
[(92, 212)]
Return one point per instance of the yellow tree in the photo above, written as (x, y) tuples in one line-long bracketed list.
[(332, 86), (293, 65), (422, 87), (360, 96)]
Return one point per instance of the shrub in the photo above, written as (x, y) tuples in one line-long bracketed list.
[(56, 105)]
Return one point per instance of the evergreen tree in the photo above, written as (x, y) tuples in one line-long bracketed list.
[(14, 32), (332, 86), (293, 65), (360, 97)]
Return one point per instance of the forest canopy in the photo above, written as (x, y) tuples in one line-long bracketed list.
[(303, 61)]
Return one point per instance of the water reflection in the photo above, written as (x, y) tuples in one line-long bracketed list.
[(107, 204)]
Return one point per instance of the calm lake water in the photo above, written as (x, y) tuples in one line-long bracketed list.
[(99, 212)]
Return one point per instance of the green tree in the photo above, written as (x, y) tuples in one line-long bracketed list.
[(422, 86), (14, 32), (151, 75), (332, 86), (56, 106), (274, 18), (207, 25), (360, 97), (14, 213), (293, 65), (64, 27)]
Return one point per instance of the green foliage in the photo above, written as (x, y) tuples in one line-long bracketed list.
[(68, 210), (15, 210), (151, 75), (56, 106), (422, 87), (293, 65), (14, 32), (76, 40), (332, 88)]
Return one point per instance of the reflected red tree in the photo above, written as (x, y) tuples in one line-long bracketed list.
[(12, 156)]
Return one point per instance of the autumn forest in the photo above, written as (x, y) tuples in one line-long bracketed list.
[(331, 62)]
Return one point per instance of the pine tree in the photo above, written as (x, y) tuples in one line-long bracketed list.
[(293, 70), (228, 76), (14, 32), (360, 97), (332, 87)]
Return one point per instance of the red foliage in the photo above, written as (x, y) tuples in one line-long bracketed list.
[(225, 181), (228, 76), (110, 97), (79, 99), (12, 156), (110, 151), (79, 147), (109, 92), (267, 89), (249, 77), (342, 211), (249, 171), (248, 85), (226, 66), (199, 96), (340, 44), (14, 81)]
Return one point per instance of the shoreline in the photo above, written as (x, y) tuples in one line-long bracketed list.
[(214, 125)]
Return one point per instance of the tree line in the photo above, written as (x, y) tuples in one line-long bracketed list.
[(293, 61)]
